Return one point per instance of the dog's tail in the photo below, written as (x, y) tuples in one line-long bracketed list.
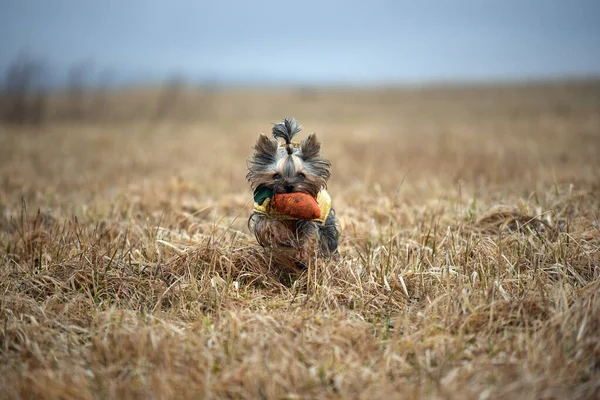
[(286, 130)]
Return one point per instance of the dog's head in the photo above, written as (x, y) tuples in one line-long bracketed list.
[(288, 167)]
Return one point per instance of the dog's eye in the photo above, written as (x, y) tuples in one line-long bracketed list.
[(276, 176), (301, 176)]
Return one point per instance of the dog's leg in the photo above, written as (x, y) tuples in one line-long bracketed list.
[(270, 232), (308, 241), (329, 236)]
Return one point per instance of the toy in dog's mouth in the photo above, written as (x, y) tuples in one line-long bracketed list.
[(292, 206), (298, 205)]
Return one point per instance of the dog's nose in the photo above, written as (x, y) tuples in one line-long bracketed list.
[(289, 188)]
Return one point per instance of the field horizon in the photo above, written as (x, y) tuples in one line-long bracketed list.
[(470, 248)]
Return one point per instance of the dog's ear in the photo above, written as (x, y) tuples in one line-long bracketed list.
[(310, 147), (265, 146)]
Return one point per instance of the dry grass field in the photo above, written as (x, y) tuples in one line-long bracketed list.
[(469, 268)]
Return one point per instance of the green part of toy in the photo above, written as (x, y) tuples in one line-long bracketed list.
[(261, 194)]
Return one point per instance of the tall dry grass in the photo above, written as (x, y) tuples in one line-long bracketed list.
[(470, 252)]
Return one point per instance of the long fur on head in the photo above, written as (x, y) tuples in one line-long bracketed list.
[(286, 130), (310, 150), (291, 168)]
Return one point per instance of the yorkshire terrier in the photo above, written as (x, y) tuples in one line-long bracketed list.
[(291, 167)]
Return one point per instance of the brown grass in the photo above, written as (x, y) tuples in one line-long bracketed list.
[(470, 252)]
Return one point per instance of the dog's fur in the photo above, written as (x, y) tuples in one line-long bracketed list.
[(289, 169)]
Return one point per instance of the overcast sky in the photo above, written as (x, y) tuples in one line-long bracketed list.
[(308, 41)]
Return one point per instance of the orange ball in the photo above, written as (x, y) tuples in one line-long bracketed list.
[(297, 205)]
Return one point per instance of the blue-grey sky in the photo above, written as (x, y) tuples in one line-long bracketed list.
[(309, 41)]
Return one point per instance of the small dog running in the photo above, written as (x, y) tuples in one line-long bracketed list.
[(291, 167)]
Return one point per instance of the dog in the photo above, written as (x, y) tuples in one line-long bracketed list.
[(291, 167)]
